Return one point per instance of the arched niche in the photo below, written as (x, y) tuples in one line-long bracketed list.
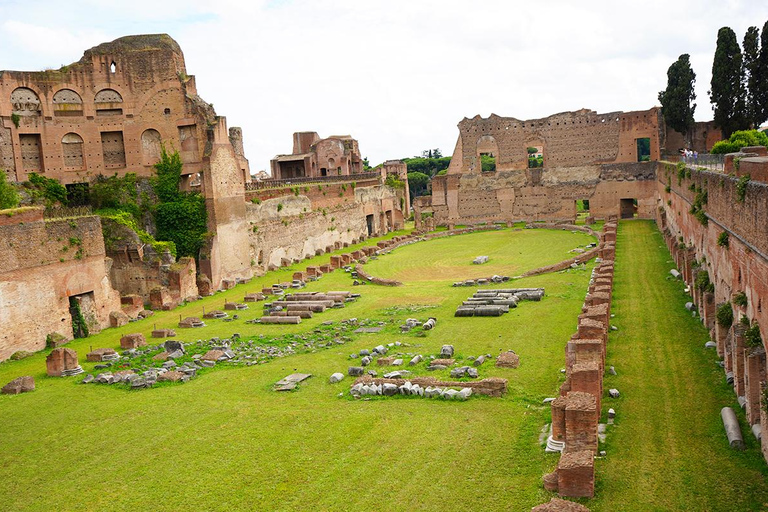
[(108, 103), (72, 151), (25, 102), (67, 102), (150, 146)]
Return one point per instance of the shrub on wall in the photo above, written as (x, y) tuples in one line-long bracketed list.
[(48, 189), (703, 283), (741, 188), (752, 336), (9, 198), (740, 139), (740, 299), (722, 239), (725, 315)]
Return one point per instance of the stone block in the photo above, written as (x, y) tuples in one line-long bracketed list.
[(118, 319), (60, 361), (576, 474), (19, 385), (134, 340), (98, 355), (508, 360)]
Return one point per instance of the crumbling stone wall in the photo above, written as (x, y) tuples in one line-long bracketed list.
[(585, 156), (741, 266), (290, 228), (42, 264)]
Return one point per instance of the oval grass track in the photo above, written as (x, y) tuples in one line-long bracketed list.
[(510, 253), (225, 441)]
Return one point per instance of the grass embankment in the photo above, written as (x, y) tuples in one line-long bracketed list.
[(226, 441), (668, 450)]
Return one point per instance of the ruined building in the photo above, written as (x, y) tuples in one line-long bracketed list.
[(338, 155), (109, 114), (504, 169)]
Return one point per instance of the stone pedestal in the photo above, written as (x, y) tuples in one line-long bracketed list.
[(62, 362), (576, 475), (134, 340), (581, 418)]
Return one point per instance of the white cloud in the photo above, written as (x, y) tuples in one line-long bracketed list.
[(400, 74)]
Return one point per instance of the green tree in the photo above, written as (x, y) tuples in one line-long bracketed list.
[(418, 184), (366, 164), (9, 198), (751, 47), (727, 86), (677, 105), (759, 91), (740, 139), (181, 217)]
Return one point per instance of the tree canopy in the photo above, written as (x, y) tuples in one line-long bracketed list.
[(727, 86), (677, 105), (759, 91)]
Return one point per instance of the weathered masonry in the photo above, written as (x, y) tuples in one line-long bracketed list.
[(107, 113), (721, 250), (504, 169)]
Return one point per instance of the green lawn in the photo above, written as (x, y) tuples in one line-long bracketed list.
[(668, 450), (225, 441)]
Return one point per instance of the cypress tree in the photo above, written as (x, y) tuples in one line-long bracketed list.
[(677, 105), (751, 47), (727, 87), (760, 93)]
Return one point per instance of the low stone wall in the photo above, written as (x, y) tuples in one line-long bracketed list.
[(576, 412)]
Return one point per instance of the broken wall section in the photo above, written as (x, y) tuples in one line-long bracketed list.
[(44, 263)]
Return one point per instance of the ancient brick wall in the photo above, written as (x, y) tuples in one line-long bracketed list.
[(106, 113), (291, 228), (543, 194), (42, 265), (741, 266)]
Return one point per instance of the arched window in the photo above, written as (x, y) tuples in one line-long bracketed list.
[(25, 102), (150, 147), (488, 153), (72, 149), (108, 103), (67, 102)]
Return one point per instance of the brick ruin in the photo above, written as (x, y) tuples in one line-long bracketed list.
[(576, 412), (46, 268), (584, 156), (312, 157), (738, 266), (109, 114)]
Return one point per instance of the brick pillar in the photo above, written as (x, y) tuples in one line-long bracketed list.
[(721, 334), (581, 417), (586, 377), (738, 358), (576, 474), (558, 418), (754, 376), (709, 308), (335, 262), (582, 351)]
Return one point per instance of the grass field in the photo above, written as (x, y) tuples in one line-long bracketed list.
[(225, 441)]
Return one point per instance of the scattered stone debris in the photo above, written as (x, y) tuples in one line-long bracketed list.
[(480, 260), (291, 381), (496, 302), (508, 359), (19, 385), (613, 393), (336, 377)]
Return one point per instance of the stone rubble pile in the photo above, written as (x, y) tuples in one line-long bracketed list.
[(408, 388), (496, 302), (292, 307)]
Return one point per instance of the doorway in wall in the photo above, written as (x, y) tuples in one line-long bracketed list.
[(369, 224), (628, 208)]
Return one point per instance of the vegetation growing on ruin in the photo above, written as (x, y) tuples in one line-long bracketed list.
[(703, 282), (741, 188), (79, 325), (394, 182), (48, 190), (180, 217), (697, 207), (723, 239), (725, 315), (740, 299), (124, 218), (9, 198)]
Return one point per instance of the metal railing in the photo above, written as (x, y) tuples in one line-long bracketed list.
[(289, 182), (707, 161)]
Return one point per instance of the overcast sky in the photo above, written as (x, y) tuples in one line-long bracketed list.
[(398, 75)]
